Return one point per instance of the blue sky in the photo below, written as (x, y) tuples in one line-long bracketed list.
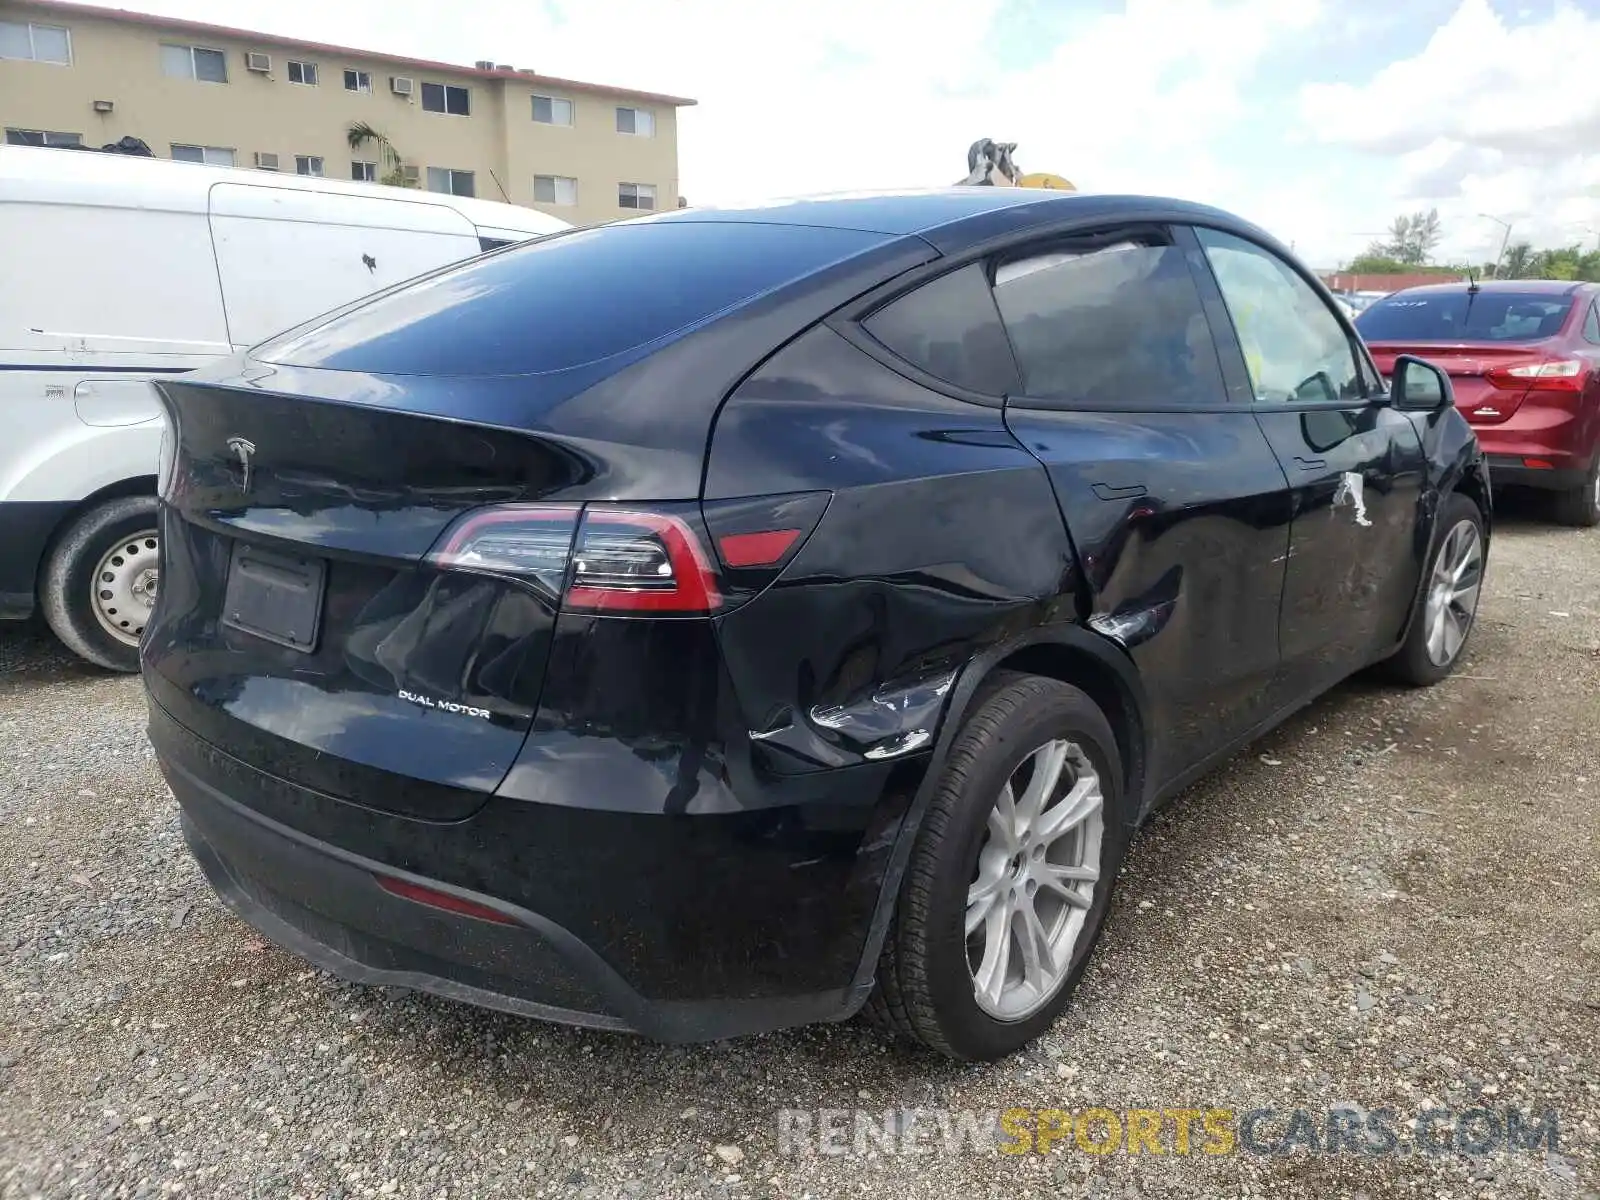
[(1319, 119)]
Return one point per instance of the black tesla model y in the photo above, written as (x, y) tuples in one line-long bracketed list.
[(732, 619)]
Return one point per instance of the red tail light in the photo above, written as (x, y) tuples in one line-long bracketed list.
[(595, 560), (756, 549), (611, 559), (441, 900), (640, 562), (1552, 375)]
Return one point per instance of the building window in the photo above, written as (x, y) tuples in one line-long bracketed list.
[(640, 122), (358, 81), (194, 62), (451, 183), (442, 98), (555, 189), (364, 172), (38, 43), (303, 72), (552, 110), (636, 195), (41, 137), (212, 156), (308, 164)]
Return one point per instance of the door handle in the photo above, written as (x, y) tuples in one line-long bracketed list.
[(1110, 491), (1310, 464)]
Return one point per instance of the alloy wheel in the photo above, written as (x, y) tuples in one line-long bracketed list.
[(1453, 592), (1035, 880), (124, 587)]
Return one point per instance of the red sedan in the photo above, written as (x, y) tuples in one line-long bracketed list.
[(1524, 359)]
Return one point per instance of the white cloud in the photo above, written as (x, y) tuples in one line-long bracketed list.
[(1486, 118), (840, 94)]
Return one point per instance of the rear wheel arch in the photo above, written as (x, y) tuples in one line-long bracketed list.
[(1066, 653), (1112, 686)]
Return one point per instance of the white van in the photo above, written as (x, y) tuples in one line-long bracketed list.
[(116, 269)]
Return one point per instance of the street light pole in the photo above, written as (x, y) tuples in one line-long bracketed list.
[(1504, 242)]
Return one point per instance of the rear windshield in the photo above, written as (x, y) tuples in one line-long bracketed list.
[(567, 300), (1461, 317)]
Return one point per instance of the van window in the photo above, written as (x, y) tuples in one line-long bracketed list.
[(1115, 323), (284, 256), (569, 299)]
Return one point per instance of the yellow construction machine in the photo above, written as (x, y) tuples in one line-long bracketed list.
[(990, 164)]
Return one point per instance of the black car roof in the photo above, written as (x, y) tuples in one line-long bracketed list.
[(959, 216)]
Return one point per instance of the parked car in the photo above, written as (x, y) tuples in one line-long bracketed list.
[(118, 270), (730, 619), (1524, 357)]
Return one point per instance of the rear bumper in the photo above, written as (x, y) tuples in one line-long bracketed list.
[(321, 901), (1569, 472)]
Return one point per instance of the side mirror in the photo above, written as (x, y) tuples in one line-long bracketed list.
[(1419, 386)]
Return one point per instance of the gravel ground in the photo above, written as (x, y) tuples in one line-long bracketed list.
[(1393, 902)]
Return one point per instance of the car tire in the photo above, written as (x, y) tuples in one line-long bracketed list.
[(1580, 506), (1415, 663), (927, 981), (67, 590)]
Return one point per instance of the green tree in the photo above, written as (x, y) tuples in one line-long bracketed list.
[(1412, 239), (1517, 262), (1372, 263), (360, 134)]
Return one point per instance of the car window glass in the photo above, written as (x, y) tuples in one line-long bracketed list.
[(1116, 323), (1464, 315), (1294, 346), (1591, 326), (560, 302), (949, 328)]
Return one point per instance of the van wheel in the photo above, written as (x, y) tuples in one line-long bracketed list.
[(1580, 506), (1010, 875), (100, 582)]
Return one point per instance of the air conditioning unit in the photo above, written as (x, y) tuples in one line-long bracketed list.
[(484, 64), (266, 160), (256, 61), (401, 86), (410, 173)]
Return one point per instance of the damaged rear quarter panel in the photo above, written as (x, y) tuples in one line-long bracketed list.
[(942, 538)]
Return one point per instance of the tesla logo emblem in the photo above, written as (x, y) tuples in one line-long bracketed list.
[(369, 262), (243, 448)]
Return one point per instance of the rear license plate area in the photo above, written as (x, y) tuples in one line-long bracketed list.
[(275, 597)]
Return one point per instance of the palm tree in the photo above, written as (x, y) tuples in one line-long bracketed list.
[(360, 134), (1518, 260)]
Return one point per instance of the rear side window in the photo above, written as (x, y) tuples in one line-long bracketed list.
[(1463, 316), (1591, 326), (950, 329), (567, 300), (1118, 323)]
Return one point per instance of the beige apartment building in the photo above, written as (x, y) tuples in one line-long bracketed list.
[(584, 152)]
